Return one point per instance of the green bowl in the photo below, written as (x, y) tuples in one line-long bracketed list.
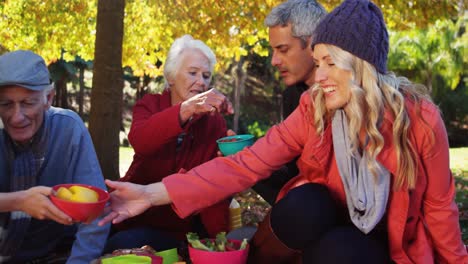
[(169, 256), (232, 144)]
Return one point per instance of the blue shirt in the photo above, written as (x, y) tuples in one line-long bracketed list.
[(69, 158)]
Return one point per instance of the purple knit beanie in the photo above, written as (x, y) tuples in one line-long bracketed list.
[(358, 27)]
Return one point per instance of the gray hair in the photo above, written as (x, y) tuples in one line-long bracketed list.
[(47, 91), (174, 57), (303, 15)]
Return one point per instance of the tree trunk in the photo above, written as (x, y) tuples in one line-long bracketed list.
[(107, 91), (239, 80), (63, 85), (58, 94), (81, 91), (435, 93), (61, 92)]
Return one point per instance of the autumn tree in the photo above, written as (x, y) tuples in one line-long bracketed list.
[(146, 29), (50, 27), (106, 95)]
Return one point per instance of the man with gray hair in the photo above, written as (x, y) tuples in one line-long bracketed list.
[(291, 25), (41, 146)]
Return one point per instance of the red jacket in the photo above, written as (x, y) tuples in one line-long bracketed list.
[(422, 224), (153, 136)]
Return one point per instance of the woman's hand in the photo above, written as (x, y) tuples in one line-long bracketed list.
[(205, 103), (229, 133), (129, 199), (36, 203)]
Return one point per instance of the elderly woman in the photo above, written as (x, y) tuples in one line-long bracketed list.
[(171, 132), (374, 183)]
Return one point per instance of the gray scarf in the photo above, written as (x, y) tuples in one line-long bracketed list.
[(366, 194), (25, 163)]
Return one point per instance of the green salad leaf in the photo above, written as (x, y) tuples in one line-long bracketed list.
[(220, 244), (244, 243), (221, 241), (194, 240)]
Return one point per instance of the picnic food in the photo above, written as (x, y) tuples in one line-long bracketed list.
[(228, 140), (78, 194), (218, 250), (219, 244), (145, 254), (84, 204), (235, 215)]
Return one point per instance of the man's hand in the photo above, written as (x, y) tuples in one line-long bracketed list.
[(36, 203)]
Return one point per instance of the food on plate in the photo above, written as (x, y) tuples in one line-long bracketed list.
[(143, 255), (78, 194), (220, 244), (143, 250)]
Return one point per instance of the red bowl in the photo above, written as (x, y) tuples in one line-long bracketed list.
[(199, 256), (81, 212)]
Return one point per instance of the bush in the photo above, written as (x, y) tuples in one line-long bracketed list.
[(257, 129)]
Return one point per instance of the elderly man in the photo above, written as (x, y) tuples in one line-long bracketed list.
[(41, 146), (291, 25)]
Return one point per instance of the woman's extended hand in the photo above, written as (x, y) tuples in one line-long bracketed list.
[(205, 103), (129, 199)]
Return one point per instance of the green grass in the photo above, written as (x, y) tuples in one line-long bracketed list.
[(459, 161), (459, 167), (126, 157), (126, 154)]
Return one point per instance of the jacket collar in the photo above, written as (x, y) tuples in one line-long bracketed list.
[(166, 99)]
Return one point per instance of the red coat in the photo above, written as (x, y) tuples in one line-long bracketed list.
[(422, 224), (153, 136)]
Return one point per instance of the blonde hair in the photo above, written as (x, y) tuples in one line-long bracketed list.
[(373, 93)]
